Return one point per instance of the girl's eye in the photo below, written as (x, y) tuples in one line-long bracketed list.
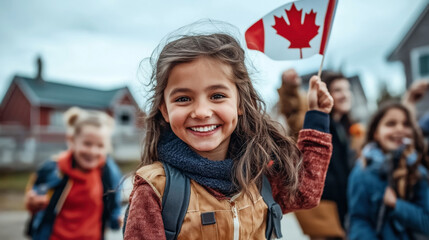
[(390, 123), (218, 96), (407, 124), (182, 99)]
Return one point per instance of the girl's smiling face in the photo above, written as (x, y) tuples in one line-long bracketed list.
[(392, 129), (89, 146), (201, 106)]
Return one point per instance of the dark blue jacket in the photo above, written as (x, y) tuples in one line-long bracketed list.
[(340, 166), (49, 178), (366, 187)]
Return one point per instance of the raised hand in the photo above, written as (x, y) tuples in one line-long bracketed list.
[(416, 92), (318, 96), (291, 78)]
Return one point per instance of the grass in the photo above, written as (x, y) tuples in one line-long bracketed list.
[(13, 184), (17, 181), (13, 181), (12, 188)]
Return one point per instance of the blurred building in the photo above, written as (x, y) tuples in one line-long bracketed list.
[(413, 52), (31, 119)]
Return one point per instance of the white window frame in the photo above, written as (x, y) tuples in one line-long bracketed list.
[(56, 118), (125, 109), (416, 53)]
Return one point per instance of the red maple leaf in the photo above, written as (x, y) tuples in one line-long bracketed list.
[(299, 34)]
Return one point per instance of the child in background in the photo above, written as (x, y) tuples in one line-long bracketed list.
[(207, 120), (388, 190), (75, 195)]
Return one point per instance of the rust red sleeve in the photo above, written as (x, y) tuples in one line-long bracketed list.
[(144, 219), (316, 148)]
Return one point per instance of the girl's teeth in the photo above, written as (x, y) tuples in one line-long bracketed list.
[(204, 129)]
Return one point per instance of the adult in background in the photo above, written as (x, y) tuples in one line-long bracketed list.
[(328, 220), (342, 156)]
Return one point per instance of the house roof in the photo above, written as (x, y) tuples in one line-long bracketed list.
[(395, 53), (44, 93)]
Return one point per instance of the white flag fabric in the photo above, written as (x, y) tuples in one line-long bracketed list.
[(296, 30)]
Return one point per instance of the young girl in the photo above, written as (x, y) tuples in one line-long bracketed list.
[(207, 121), (388, 189), (74, 195)]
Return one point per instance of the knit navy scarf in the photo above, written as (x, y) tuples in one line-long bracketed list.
[(212, 174)]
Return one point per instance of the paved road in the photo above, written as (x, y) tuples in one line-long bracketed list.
[(12, 227)]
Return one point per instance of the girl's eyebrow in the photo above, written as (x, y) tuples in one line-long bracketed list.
[(217, 87), (209, 88), (179, 90)]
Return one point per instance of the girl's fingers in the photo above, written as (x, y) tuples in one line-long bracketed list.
[(312, 94), (327, 103), (323, 90), (314, 80), (325, 100), (318, 96)]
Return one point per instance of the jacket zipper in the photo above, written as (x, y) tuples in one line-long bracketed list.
[(235, 217)]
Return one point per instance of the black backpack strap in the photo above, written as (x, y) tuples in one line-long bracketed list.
[(105, 180), (175, 201), (125, 219), (275, 214)]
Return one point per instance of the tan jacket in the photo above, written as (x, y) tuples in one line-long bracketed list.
[(241, 217), (145, 216)]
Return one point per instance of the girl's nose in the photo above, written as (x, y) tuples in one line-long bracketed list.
[(344, 95), (95, 150), (201, 110), (400, 127)]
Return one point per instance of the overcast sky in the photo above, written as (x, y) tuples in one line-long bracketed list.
[(100, 43)]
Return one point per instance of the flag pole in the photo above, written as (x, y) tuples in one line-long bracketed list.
[(321, 65)]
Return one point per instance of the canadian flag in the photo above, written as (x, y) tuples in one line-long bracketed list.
[(296, 30)]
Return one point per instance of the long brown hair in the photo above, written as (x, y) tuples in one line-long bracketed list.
[(255, 141), (412, 172)]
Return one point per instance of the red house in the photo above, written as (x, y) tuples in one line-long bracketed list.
[(31, 119)]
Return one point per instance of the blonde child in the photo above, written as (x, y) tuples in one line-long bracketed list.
[(207, 121), (388, 191), (74, 195)]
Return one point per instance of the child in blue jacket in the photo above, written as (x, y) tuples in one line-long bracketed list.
[(75, 195), (388, 193)]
